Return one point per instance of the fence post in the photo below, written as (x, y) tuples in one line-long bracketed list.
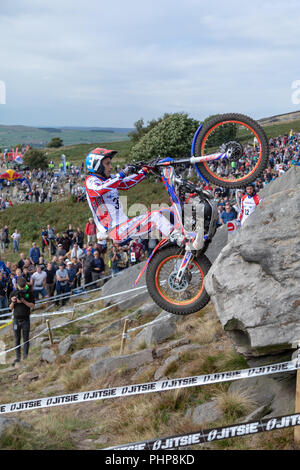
[(50, 333), (124, 335), (297, 401)]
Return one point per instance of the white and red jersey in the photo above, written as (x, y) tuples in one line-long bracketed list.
[(104, 201), (248, 206)]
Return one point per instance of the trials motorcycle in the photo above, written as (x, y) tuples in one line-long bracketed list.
[(230, 151)]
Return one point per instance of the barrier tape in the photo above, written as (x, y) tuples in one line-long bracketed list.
[(58, 326), (150, 387), (111, 295), (49, 314), (214, 434), (7, 324)]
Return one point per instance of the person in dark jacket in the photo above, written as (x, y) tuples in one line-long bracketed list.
[(88, 266), (21, 303)]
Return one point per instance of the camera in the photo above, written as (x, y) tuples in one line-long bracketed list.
[(22, 293)]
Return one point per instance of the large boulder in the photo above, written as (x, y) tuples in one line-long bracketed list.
[(121, 289), (254, 282), (127, 361)]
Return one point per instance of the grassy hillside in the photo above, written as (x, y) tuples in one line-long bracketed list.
[(14, 135)]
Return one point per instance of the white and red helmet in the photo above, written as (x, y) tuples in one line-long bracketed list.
[(94, 159)]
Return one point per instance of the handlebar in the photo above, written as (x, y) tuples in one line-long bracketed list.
[(158, 164)]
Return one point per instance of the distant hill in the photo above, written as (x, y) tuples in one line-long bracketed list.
[(280, 118), (11, 136)]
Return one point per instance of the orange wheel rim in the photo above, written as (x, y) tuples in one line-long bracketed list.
[(206, 164), (170, 299)]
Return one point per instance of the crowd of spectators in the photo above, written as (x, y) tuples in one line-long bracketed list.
[(62, 262), (59, 265), (45, 186)]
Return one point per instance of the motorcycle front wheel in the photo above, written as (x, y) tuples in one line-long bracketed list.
[(189, 296)]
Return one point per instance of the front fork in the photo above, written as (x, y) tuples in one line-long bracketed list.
[(188, 257)]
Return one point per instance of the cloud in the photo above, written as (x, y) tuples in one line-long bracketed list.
[(110, 63)]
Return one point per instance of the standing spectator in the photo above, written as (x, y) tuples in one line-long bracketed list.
[(77, 266), (76, 251), (7, 241), (3, 292), (80, 237), (98, 267), (71, 275), (249, 203), (51, 238), (90, 231), (102, 245), (88, 266), (61, 251), (123, 262), (21, 303), (16, 240), (136, 251), (114, 261), (70, 233), (62, 279), (44, 239), (38, 282), (228, 214), (65, 241), (21, 261), (34, 254), (42, 262), (50, 279), (2, 240), (29, 266), (15, 277)]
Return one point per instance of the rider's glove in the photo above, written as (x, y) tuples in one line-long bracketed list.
[(129, 170), (154, 161)]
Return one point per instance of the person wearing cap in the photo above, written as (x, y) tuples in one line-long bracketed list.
[(60, 250), (62, 280), (71, 275)]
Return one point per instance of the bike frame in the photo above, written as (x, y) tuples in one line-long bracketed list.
[(168, 178)]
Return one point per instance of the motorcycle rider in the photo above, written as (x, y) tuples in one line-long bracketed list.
[(103, 199), (249, 202)]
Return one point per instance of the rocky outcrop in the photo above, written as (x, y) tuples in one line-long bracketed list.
[(125, 282), (90, 354), (127, 362), (254, 282)]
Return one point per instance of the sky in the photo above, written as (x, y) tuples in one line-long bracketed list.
[(111, 63)]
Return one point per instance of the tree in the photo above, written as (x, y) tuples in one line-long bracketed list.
[(55, 142), (141, 130), (35, 159), (170, 136)]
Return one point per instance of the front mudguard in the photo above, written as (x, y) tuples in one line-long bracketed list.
[(162, 244)]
